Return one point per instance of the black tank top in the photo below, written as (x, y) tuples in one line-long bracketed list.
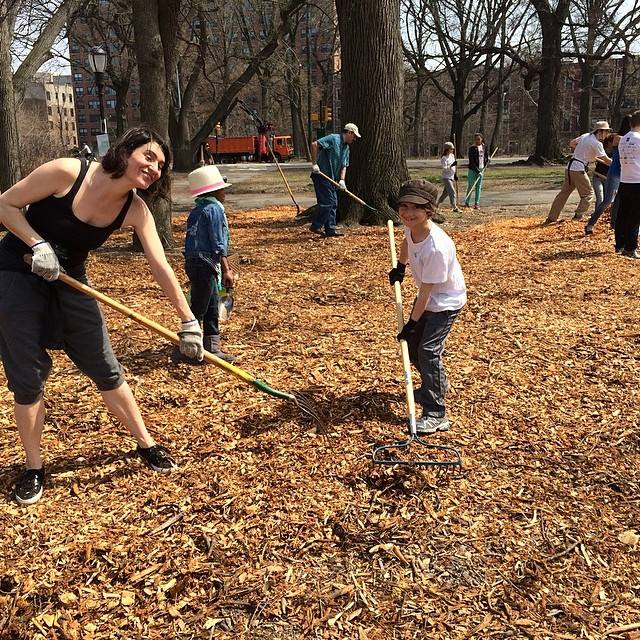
[(54, 220)]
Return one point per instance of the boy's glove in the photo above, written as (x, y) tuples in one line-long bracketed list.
[(455, 177), (407, 330), (44, 262), (191, 340), (315, 168), (454, 163), (342, 185), (397, 273)]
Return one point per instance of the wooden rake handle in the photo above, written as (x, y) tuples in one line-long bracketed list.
[(351, 195)]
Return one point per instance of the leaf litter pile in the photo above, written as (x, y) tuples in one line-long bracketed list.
[(275, 526)]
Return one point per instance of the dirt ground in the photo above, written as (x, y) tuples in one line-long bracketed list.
[(276, 527)]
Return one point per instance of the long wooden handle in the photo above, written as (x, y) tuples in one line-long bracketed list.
[(352, 195), (169, 335), (404, 348)]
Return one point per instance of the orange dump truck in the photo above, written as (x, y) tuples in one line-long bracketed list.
[(249, 148)]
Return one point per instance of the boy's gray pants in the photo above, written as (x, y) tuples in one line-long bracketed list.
[(426, 348)]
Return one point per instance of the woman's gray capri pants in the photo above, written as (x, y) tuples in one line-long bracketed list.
[(36, 315)]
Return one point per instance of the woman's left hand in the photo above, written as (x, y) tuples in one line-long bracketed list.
[(191, 340)]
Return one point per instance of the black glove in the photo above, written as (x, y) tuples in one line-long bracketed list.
[(407, 330), (455, 177), (397, 273), (454, 163)]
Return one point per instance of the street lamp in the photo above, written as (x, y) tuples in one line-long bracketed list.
[(97, 64)]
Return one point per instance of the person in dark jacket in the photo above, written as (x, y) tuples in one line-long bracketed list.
[(206, 249), (478, 160), (73, 207)]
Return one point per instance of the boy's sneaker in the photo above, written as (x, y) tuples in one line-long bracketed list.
[(588, 230), (634, 255), (476, 206), (432, 424), (157, 458), (29, 485)]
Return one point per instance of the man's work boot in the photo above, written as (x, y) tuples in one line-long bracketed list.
[(212, 344)]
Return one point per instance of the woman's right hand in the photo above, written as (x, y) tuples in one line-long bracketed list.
[(44, 262)]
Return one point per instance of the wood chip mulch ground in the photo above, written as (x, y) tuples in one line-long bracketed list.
[(275, 526)]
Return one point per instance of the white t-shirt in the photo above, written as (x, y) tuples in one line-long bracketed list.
[(480, 156), (629, 150), (587, 150), (448, 172), (433, 261)]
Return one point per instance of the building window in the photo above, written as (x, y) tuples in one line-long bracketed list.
[(64, 111), (111, 104), (95, 132), (64, 98), (50, 125), (74, 48), (77, 77), (79, 91), (71, 113), (49, 111), (82, 118), (94, 104), (82, 131), (48, 97)]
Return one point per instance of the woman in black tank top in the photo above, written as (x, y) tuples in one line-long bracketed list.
[(73, 207)]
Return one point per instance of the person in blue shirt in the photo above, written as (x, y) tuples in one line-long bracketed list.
[(612, 183), (206, 249), (330, 155)]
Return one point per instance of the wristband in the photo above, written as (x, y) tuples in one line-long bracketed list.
[(37, 243)]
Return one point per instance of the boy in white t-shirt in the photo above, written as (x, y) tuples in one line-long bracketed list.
[(441, 295)]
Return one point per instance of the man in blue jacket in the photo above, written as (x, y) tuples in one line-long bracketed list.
[(330, 155), (206, 250)]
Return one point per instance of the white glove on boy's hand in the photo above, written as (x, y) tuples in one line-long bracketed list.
[(191, 340), (343, 185), (315, 168), (44, 262)]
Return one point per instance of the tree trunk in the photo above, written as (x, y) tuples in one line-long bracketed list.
[(154, 96), (457, 119), (10, 170), (372, 97), (551, 22), (417, 147), (586, 96)]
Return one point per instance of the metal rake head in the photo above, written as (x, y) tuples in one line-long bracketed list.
[(446, 458), (307, 405)]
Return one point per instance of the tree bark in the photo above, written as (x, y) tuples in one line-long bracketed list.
[(154, 95), (551, 22), (372, 97), (10, 170)]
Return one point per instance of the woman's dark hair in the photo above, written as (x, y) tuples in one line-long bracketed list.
[(477, 133), (625, 126), (116, 159)]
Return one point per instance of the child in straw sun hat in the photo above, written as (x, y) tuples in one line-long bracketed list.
[(206, 250)]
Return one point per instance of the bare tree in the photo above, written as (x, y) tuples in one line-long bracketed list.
[(598, 30), (43, 24), (372, 97)]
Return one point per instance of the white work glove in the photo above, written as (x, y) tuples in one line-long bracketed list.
[(342, 185), (315, 168), (191, 340), (44, 262)]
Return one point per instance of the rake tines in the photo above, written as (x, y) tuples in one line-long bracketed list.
[(446, 457)]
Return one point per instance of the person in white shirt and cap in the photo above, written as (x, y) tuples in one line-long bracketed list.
[(586, 148), (330, 155)]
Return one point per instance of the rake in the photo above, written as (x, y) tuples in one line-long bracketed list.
[(303, 402), (389, 454)]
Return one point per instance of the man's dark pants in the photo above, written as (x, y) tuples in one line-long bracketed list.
[(628, 218), (327, 198)]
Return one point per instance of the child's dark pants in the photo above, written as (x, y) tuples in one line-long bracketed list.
[(426, 347), (203, 277)]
